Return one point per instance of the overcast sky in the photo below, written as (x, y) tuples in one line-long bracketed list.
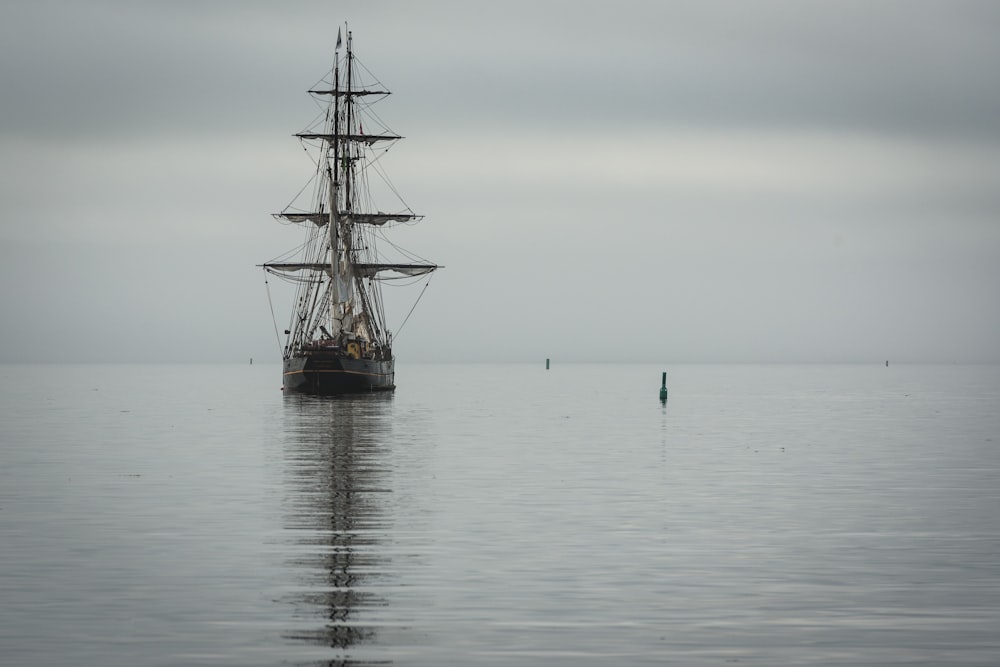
[(651, 181)]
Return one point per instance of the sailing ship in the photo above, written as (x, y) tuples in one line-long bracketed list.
[(337, 341)]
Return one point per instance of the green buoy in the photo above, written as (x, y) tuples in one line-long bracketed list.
[(663, 387), (546, 364)]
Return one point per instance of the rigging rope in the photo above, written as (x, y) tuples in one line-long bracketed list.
[(420, 296), (274, 321)]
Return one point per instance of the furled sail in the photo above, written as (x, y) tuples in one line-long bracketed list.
[(346, 93), (370, 270), (321, 219), (362, 138), (360, 270)]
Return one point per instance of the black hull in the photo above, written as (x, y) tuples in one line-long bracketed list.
[(329, 373)]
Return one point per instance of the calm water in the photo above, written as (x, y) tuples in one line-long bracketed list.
[(501, 515)]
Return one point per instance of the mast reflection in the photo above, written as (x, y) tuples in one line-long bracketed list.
[(336, 477)]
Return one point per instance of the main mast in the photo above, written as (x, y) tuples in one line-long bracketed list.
[(333, 184), (338, 174)]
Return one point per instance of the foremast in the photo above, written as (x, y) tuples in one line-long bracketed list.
[(338, 298)]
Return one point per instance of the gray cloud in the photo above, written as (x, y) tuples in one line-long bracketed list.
[(887, 66), (694, 180)]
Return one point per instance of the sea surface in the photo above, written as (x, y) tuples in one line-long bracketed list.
[(501, 515)]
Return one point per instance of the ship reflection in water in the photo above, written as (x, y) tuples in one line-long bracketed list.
[(336, 477)]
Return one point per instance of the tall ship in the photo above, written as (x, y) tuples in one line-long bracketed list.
[(338, 341)]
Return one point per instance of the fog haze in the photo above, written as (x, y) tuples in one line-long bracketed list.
[(635, 181)]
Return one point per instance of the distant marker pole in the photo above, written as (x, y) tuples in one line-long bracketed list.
[(663, 387)]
